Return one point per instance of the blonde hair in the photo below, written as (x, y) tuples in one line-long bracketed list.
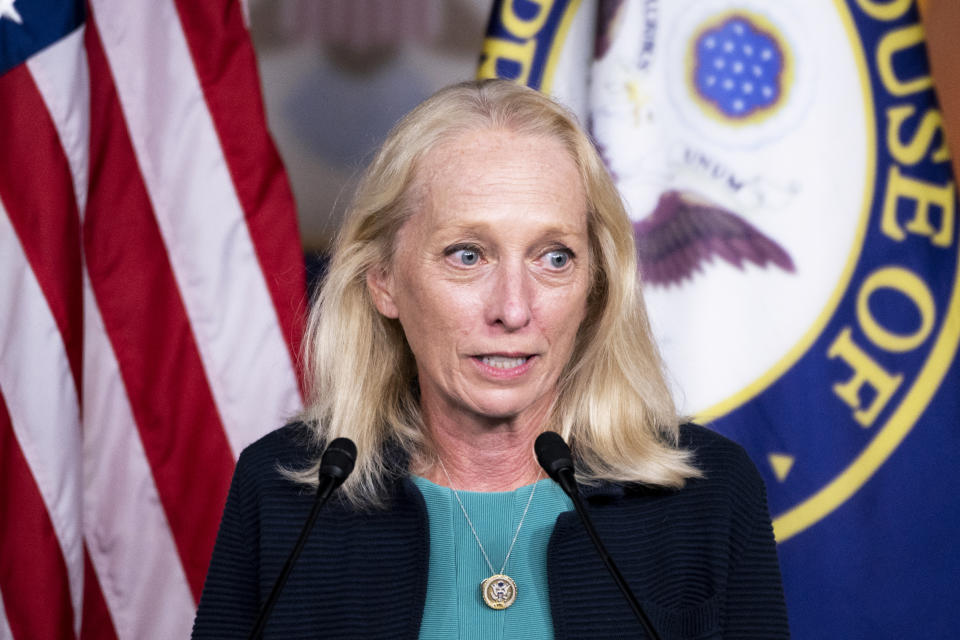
[(613, 405)]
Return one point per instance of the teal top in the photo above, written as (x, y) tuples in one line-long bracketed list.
[(455, 607)]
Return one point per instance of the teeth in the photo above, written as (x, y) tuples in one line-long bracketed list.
[(501, 362)]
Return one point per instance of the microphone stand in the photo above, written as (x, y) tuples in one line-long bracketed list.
[(554, 456), (335, 465)]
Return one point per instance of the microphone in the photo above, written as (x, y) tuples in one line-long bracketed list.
[(554, 456), (335, 465)]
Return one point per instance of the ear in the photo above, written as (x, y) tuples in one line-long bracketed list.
[(380, 284)]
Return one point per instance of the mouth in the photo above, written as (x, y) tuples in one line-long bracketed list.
[(503, 362), (504, 365)]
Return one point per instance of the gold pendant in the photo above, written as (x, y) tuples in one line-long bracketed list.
[(499, 591)]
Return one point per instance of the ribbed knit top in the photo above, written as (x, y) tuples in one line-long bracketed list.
[(455, 608)]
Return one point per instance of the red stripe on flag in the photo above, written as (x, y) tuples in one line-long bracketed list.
[(147, 324), (37, 190), (96, 624), (226, 66), (33, 574)]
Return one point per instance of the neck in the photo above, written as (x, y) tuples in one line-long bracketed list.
[(481, 456)]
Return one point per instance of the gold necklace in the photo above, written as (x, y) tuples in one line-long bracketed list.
[(499, 591)]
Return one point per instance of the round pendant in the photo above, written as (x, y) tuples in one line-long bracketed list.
[(499, 591)]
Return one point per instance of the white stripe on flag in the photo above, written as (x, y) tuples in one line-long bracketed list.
[(200, 217), (63, 79), (5, 632), (127, 531), (41, 399)]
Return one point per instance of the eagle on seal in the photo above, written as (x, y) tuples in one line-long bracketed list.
[(685, 231)]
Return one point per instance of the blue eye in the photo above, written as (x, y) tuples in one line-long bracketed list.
[(558, 259), (467, 256)]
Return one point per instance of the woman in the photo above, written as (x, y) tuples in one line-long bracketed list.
[(483, 290)]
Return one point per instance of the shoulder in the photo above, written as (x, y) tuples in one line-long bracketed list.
[(718, 457), (259, 479), (267, 472), (729, 489), (291, 447), (704, 441), (729, 480), (293, 440)]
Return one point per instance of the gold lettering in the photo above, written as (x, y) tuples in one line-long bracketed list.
[(496, 49), (866, 371), (885, 11), (911, 286), (517, 26), (893, 42), (913, 151), (924, 194)]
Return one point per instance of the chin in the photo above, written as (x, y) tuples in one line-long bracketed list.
[(504, 408), (498, 413)]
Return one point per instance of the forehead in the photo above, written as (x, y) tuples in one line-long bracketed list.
[(495, 175)]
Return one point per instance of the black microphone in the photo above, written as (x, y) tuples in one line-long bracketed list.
[(335, 465), (554, 456)]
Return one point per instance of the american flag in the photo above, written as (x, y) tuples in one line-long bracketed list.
[(151, 284)]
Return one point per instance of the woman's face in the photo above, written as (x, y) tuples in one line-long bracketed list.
[(490, 274)]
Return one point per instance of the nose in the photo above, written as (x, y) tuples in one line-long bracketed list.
[(510, 299)]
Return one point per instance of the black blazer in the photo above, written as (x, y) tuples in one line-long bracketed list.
[(701, 560)]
